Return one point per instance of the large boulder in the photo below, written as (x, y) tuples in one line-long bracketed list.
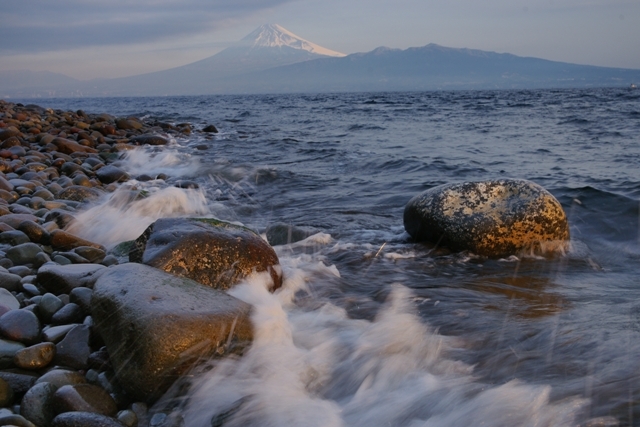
[(492, 218), (214, 253), (156, 326)]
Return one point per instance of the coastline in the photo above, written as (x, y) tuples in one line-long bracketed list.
[(51, 164)]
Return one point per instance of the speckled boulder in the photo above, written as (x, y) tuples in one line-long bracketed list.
[(211, 252), (156, 326), (491, 218)]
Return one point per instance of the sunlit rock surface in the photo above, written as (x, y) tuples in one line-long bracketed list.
[(492, 218), (211, 252), (156, 326)]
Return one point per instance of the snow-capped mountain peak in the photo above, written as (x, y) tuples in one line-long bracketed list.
[(273, 35)]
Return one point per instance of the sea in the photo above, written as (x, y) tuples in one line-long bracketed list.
[(370, 328)]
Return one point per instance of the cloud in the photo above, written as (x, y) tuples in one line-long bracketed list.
[(45, 25)]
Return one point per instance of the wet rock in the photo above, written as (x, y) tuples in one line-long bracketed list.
[(211, 252), (84, 419), (283, 234), (14, 237), (79, 193), (35, 357), (68, 146), (93, 255), (8, 349), (35, 232), (61, 377), (70, 313), (19, 380), (48, 305), (8, 301), (14, 220), (37, 404), (55, 334), (64, 241), (20, 325), (10, 282), (24, 253), (128, 418), (210, 129), (15, 420), (62, 279), (110, 173), (156, 326), (5, 184), (491, 218), (149, 139), (82, 297), (60, 217), (84, 398), (73, 351)]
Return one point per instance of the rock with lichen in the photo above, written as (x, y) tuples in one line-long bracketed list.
[(491, 218)]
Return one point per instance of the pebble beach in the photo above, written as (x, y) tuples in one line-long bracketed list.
[(54, 370)]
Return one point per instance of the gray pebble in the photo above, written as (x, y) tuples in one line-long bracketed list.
[(48, 305), (20, 325), (37, 404), (24, 253)]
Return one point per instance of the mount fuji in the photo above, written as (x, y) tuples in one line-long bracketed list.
[(274, 60)]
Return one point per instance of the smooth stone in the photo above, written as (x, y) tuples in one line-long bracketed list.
[(20, 325), (149, 139), (214, 253), (14, 220), (35, 357), (44, 194), (8, 300), (59, 259), (5, 184), (110, 173), (9, 281), (73, 351), (156, 326), (19, 380), (82, 297), (128, 418), (21, 270), (35, 232), (16, 420), (79, 193), (60, 377), (48, 305), (60, 217), (62, 279), (55, 334), (284, 234), (210, 129), (84, 419), (70, 313), (6, 393), (24, 253), (37, 404), (100, 359), (65, 241), (74, 258), (491, 218), (31, 289), (14, 237), (68, 146), (84, 398), (8, 349), (92, 255)]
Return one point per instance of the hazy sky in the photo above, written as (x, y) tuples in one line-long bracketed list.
[(89, 39)]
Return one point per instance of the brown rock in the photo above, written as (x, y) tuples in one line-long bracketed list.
[(64, 241), (84, 398), (214, 253), (68, 146), (492, 218)]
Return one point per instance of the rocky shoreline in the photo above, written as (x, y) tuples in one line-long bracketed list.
[(54, 367)]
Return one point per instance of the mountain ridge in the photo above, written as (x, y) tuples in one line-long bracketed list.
[(271, 59)]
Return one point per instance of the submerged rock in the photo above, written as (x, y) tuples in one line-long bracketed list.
[(156, 326), (211, 252), (492, 218)]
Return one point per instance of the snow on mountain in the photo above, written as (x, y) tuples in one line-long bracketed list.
[(273, 35)]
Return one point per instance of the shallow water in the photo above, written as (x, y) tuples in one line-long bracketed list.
[(371, 329)]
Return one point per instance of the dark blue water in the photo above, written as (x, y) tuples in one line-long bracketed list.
[(519, 342)]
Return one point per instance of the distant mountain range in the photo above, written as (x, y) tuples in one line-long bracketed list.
[(273, 60)]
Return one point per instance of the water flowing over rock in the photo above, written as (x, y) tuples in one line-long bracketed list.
[(492, 218), (156, 326), (211, 252)]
